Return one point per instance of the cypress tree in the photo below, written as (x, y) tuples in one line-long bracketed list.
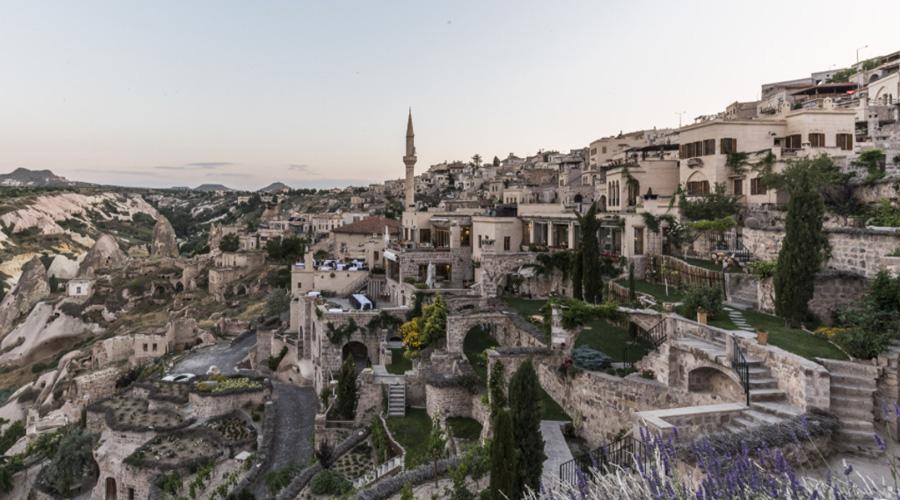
[(503, 459), (632, 292), (525, 407), (805, 245), (590, 256), (347, 397), (577, 276), (497, 387)]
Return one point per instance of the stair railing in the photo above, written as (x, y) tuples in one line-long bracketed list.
[(622, 452), (740, 365)]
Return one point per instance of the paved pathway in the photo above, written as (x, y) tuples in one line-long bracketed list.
[(556, 448), (225, 356), (737, 317), (295, 415)]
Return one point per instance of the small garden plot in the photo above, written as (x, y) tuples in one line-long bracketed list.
[(233, 429), (169, 391), (174, 450), (411, 431), (219, 384), (463, 428), (399, 363), (133, 412), (356, 463)]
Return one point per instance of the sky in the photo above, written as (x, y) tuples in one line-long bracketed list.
[(165, 93)]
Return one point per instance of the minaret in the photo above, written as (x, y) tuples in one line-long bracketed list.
[(409, 159)]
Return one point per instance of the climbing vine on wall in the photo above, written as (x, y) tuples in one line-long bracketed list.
[(384, 320), (339, 335)]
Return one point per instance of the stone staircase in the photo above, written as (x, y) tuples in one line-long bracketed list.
[(396, 400), (768, 403), (853, 388)]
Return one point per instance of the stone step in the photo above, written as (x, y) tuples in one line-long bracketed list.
[(744, 423), (762, 417), (851, 401), (855, 436), (759, 372), (766, 395), (851, 391), (852, 413), (844, 379), (763, 383), (858, 425), (782, 410)]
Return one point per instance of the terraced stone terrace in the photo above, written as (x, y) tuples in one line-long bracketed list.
[(232, 428), (169, 391), (175, 450), (132, 412)]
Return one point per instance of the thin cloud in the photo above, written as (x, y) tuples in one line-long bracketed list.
[(225, 174), (200, 165), (298, 167)]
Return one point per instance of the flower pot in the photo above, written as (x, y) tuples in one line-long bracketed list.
[(762, 337)]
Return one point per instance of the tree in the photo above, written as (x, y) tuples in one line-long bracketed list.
[(435, 325), (497, 388), (578, 276), (525, 406), (632, 292), (496, 162), (278, 301), (805, 246), (436, 446), (347, 397), (407, 492), (71, 463), (229, 243), (590, 255), (502, 484), (54, 284), (476, 160)]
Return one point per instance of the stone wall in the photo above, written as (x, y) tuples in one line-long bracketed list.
[(885, 189), (494, 267), (371, 393), (742, 289), (690, 422), (506, 329), (834, 290), (448, 401), (853, 250), (806, 384), (210, 405)]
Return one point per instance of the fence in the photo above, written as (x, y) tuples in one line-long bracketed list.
[(617, 293), (653, 337), (379, 472), (623, 452), (740, 365), (681, 274)]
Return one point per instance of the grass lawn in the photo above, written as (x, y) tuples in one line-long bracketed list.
[(525, 307), (609, 339), (475, 343), (411, 431), (464, 428), (706, 264), (399, 363), (551, 409), (793, 340)]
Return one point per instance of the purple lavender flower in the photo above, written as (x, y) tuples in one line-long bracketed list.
[(848, 469), (879, 442)]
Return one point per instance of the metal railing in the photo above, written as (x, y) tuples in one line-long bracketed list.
[(740, 365), (623, 452), (654, 337)]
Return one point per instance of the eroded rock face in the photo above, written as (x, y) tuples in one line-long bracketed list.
[(104, 254), (164, 243), (31, 289)]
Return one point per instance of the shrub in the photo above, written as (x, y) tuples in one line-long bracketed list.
[(329, 482), (707, 297), (274, 361), (862, 344), (762, 269), (590, 359)]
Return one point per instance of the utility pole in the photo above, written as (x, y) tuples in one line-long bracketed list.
[(857, 52), (680, 114)]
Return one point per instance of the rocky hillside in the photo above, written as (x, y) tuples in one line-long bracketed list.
[(23, 177)]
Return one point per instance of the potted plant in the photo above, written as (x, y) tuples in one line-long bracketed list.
[(762, 337)]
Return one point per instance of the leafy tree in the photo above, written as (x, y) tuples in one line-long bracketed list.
[(229, 243), (476, 160), (436, 446), (496, 162), (407, 492), (504, 459), (592, 287), (805, 246), (525, 406), (632, 292), (715, 205), (435, 326), (278, 301), (497, 388), (347, 396), (71, 463)]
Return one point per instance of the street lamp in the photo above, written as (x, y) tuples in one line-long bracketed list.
[(857, 52)]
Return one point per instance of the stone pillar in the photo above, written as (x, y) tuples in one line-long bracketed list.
[(531, 233), (551, 235), (560, 338), (571, 236), (455, 235), (729, 347)]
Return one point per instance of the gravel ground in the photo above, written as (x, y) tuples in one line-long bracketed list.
[(223, 355)]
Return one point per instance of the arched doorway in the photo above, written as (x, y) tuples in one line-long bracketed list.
[(716, 383), (111, 493), (240, 290), (179, 287), (478, 339), (359, 352)]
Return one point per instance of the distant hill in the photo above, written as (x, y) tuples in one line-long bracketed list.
[(23, 177), (212, 187), (275, 187)]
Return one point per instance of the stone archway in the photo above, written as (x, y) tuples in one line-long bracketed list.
[(240, 289), (111, 493), (717, 383), (179, 287), (360, 354)]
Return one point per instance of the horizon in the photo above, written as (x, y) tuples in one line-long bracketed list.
[(316, 95)]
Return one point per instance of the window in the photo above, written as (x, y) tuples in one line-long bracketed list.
[(757, 186), (845, 141), (793, 141), (480, 240), (639, 241), (695, 188), (817, 140), (506, 243), (425, 235), (737, 186), (709, 147), (375, 256), (145, 347), (727, 145), (154, 347), (604, 149), (299, 284)]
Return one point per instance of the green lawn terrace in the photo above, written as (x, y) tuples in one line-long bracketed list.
[(130, 411), (176, 450)]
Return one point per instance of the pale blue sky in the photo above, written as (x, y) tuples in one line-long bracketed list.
[(316, 93)]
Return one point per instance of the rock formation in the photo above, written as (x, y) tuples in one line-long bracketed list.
[(63, 268), (105, 253), (164, 243), (32, 288)]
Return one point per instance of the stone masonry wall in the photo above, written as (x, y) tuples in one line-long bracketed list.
[(448, 401)]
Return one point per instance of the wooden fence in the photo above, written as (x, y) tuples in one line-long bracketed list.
[(681, 274)]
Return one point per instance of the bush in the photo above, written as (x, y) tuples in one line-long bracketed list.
[(591, 359), (329, 482), (762, 269), (707, 297)]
